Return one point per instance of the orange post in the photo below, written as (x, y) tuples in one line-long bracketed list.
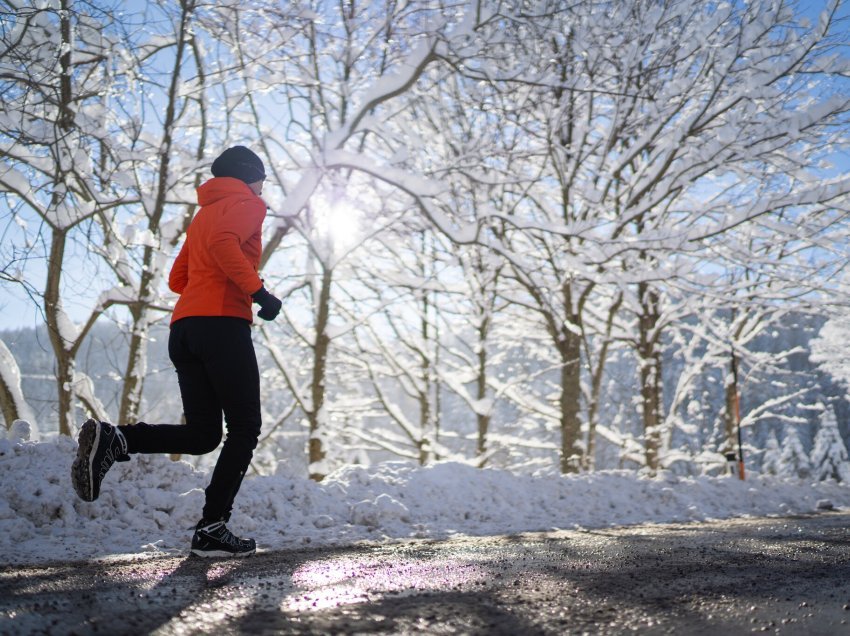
[(737, 414)]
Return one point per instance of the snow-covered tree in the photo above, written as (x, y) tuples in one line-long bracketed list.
[(108, 121), (829, 349), (454, 288), (574, 214), (829, 458), (355, 65), (168, 75), (60, 67), (793, 461), (661, 127), (771, 458)]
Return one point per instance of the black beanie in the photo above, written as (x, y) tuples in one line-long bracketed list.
[(240, 163)]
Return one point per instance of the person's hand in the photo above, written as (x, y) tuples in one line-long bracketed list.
[(269, 305)]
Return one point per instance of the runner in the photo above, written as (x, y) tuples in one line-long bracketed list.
[(210, 345)]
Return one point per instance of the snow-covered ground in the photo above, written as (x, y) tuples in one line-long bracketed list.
[(151, 504)]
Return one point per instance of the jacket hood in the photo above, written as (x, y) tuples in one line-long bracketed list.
[(219, 188)]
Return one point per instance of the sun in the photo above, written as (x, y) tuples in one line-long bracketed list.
[(337, 223), (344, 223)]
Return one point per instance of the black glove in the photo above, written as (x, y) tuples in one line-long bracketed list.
[(269, 305)]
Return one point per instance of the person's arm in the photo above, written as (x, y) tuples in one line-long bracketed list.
[(236, 226), (178, 278), (269, 304)]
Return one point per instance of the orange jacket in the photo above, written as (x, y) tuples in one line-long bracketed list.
[(216, 270)]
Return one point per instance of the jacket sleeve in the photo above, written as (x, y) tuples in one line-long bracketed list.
[(179, 275), (238, 224)]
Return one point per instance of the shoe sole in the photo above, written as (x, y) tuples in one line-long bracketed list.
[(207, 554), (82, 475)]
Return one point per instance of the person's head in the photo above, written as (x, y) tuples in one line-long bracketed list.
[(240, 163)]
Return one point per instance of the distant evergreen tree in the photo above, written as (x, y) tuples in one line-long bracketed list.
[(793, 462), (829, 459), (770, 460)]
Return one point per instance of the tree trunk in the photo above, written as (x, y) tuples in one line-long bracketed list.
[(316, 416), (131, 394), (570, 400), (66, 112), (482, 419), (428, 352), (8, 403), (54, 314), (730, 415), (649, 359), (131, 391), (55, 318), (426, 425)]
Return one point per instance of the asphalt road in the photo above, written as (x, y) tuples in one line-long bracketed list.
[(778, 575)]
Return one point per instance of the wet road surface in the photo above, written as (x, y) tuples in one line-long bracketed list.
[(779, 575)]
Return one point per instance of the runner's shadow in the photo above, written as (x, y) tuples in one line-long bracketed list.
[(194, 582), (108, 596)]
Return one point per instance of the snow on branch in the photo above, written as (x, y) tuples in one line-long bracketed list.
[(422, 189), (401, 77), (83, 388), (820, 193), (10, 388)]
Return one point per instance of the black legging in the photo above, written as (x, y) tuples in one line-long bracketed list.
[(217, 372)]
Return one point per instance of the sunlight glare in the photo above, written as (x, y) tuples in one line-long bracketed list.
[(338, 223)]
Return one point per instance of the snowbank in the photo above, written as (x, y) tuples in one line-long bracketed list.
[(151, 504)]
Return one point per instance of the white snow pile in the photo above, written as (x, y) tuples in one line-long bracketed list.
[(151, 504)]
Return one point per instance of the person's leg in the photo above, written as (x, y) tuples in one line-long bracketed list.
[(99, 445), (201, 433), (217, 370), (231, 366)]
